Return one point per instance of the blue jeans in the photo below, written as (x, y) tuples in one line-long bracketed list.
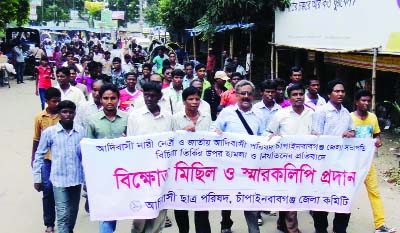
[(252, 221), (49, 213), (67, 206), (19, 70), (42, 91), (107, 226)]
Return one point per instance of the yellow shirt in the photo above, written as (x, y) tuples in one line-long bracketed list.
[(42, 121), (366, 128)]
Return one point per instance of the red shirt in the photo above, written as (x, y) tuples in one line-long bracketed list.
[(165, 85), (126, 98), (210, 62), (228, 97), (44, 80)]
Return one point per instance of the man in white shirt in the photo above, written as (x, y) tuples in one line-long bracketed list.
[(292, 120), (312, 99), (147, 120), (68, 92), (90, 107)]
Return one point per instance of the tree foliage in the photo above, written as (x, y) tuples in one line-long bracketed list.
[(153, 13), (177, 15), (14, 10), (59, 10)]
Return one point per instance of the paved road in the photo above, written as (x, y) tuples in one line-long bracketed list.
[(20, 204)]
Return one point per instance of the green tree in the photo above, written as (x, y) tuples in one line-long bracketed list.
[(153, 13), (13, 10), (57, 10), (177, 15)]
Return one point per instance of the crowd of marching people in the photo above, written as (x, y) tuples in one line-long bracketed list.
[(102, 93)]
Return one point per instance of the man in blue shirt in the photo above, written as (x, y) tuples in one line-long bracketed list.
[(66, 169)]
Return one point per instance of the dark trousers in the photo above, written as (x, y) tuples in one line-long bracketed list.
[(226, 221), (201, 222), (49, 212), (20, 69), (340, 222)]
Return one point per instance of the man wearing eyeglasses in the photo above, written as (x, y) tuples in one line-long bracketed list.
[(240, 118)]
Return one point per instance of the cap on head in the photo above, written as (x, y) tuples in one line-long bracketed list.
[(221, 75)]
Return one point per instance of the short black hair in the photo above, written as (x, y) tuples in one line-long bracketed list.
[(166, 63), (44, 58), (109, 87), (280, 82), (268, 84), (52, 92), (72, 68), (69, 53), (178, 72), (152, 86), (64, 70), (116, 59), (230, 67), (199, 66), (331, 84), (361, 93), (129, 74), (237, 74), (147, 65), (165, 68), (190, 91), (188, 64), (294, 87), (296, 69), (66, 104), (311, 78)]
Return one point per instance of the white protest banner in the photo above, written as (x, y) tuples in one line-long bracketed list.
[(340, 24), (135, 177)]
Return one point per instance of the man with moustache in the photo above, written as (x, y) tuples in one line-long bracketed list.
[(312, 99), (286, 122), (109, 123), (229, 97), (240, 118), (192, 119), (267, 106), (68, 92), (150, 119), (335, 120), (90, 107), (174, 92)]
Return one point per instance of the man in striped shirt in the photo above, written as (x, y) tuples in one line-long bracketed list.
[(66, 168)]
